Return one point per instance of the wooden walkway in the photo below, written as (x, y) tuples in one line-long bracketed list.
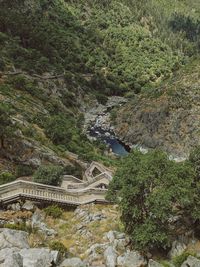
[(75, 192), (27, 190)]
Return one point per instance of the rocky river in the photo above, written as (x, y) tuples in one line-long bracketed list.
[(98, 125)]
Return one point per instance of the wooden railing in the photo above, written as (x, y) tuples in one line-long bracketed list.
[(75, 193), (89, 183), (28, 190), (101, 168)]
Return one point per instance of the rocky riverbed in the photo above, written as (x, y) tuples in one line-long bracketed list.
[(119, 133), (99, 115), (98, 125)]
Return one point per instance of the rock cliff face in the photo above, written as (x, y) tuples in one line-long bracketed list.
[(16, 252), (167, 118)]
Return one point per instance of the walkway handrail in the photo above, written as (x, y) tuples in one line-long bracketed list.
[(40, 192), (89, 183), (76, 192)]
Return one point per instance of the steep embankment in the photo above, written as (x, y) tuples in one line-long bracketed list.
[(166, 117)]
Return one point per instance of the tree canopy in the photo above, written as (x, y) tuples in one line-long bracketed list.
[(7, 126), (48, 174), (151, 191), (131, 45)]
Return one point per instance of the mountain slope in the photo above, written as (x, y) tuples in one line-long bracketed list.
[(166, 117), (57, 56)]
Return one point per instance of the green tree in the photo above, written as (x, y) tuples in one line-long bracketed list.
[(6, 125), (194, 158), (6, 177), (150, 190), (48, 174), (59, 129)]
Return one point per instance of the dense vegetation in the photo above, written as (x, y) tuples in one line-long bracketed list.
[(6, 177), (7, 127), (54, 211), (158, 197), (51, 175), (98, 47), (123, 45)]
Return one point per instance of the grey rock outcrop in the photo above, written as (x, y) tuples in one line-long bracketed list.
[(110, 256), (131, 259), (15, 251), (177, 249), (110, 236), (191, 262), (36, 257), (95, 252), (13, 239), (32, 153), (37, 221), (15, 206), (73, 262), (169, 122), (10, 258), (28, 205), (153, 263), (117, 239), (86, 216)]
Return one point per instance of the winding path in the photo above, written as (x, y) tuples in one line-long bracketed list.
[(73, 191)]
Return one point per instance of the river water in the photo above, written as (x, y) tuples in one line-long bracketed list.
[(98, 125), (109, 138)]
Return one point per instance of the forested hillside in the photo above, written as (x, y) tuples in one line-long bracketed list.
[(57, 56), (124, 45)]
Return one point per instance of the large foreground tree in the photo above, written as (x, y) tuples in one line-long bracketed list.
[(152, 192)]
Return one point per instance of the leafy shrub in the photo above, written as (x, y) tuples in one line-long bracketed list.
[(2, 64), (56, 245), (7, 128), (53, 211), (74, 170), (18, 82), (6, 177), (68, 99), (102, 99), (29, 131), (178, 261), (59, 129), (113, 114), (48, 174), (195, 159), (3, 38), (24, 170)]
